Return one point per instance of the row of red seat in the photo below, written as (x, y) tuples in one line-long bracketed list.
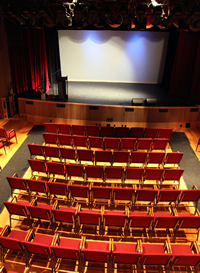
[(106, 173), (90, 142), (93, 195), (103, 220), (107, 131), (108, 157), (59, 250)]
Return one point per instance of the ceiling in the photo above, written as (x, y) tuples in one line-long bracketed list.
[(139, 14)]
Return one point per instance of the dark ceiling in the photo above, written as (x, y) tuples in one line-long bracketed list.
[(146, 14)]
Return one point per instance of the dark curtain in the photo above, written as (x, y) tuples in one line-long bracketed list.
[(28, 61), (53, 57), (170, 56), (195, 88), (184, 64)]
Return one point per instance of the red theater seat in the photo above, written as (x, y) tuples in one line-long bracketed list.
[(64, 128), (78, 129), (36, 150), (40, 245), (8, 135), (50, 138), (111, 143), (136, 132), (96, 142), (128, 144), (92, 130), (51, 127)]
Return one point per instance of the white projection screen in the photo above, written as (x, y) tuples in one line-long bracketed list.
[(112, 56)]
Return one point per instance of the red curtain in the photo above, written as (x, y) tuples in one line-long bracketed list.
[(184, 65), (28, 61)]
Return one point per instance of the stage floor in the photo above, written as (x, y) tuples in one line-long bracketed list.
[(119, 94)]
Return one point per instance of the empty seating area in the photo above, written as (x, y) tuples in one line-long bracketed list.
[(110, 157), (108, 131), (106, 143), (102, 199)]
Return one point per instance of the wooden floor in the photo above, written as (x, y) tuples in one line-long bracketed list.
[(22, 127)]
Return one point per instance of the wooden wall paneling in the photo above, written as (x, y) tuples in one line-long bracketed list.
[(104, 114)]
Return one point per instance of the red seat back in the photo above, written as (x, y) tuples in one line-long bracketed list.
[(92, 130), (94, 172), (160, 144), (36, 149), (96, 142), (74, 170), (64, 128), (134, 173), (107, 131), (56, 168), (50, 138), (65, 140), (57, 188), (78, 129), (17, 183), (136, 132), (138, 157), (165, 133), (51, 127), (121, 131), (128, 143), (151, 132), (111, 143), (66, 215), (37, 165)]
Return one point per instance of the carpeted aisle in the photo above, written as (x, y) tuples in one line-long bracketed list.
[(189, 161), (18, 163)]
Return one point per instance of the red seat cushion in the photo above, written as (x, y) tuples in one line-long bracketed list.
[(17, 234), (96, 251), (10, 135)]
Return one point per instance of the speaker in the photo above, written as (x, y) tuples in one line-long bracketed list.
[(150, 102), (137, 102)]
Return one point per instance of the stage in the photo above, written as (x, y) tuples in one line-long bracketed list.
[(104, 93)]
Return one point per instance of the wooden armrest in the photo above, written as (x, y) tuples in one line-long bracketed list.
[(167, 247), (111, 245), (2, 269), (127, 211), (5, 230), (102, 210), (174, 211), (14, 199), (197, 212), (12, 130), (83, 240), (139, 246), (55, 205), (149, 211), (78, 207), (30, 235), (56, 239), (194, 187), (33, 202), (194, 245)]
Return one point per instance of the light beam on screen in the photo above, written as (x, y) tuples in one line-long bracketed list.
[(116, 56), (146, 55)]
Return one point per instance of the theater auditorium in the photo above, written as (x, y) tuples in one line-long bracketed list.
[(99, 136)]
